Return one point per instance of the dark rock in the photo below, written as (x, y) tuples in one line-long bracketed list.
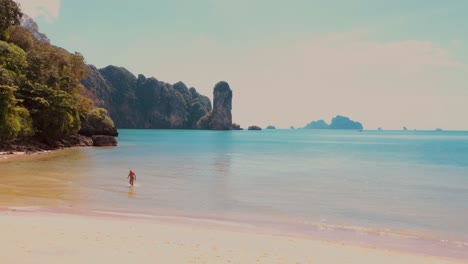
[(32, 145), (80, 140), (254, 128), (235, 126), (102, 140), (220, 118)]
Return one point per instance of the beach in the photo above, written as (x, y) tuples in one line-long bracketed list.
[(202, 197), (34, 237)]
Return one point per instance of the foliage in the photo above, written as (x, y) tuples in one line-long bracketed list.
[(41, 94), (29, 24), (14, 120), (10, 15), (97, 121), (54, 112)]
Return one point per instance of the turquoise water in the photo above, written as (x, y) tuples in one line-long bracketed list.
[(402, 182)]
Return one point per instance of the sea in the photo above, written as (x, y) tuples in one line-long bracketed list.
[(401, 190)]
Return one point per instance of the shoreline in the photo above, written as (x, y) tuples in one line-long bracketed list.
[(30, 146), (46, 235), (422, 252), (22, 155)]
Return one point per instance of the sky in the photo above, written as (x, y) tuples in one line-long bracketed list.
[(384, 63)]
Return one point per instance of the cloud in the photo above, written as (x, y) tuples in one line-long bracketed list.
[(48, 9)]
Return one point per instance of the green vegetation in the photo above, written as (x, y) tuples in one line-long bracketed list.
[(40, 91)]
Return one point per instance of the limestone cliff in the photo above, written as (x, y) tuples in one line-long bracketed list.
[(220, 118), (140, 102)]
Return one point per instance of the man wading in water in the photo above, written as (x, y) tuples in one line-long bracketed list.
[(132, 177)]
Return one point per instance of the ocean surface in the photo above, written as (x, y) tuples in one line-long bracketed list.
[(407, 184)]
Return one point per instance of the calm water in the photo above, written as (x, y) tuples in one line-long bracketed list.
[(405, 182)]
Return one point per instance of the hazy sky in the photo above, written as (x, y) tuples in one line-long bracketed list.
[(385, 63)]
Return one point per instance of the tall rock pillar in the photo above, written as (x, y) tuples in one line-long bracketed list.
[(220, 118)]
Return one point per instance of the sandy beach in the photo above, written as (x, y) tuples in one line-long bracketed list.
[(38, 237)]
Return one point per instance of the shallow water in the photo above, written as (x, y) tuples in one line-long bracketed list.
[(411, 182)]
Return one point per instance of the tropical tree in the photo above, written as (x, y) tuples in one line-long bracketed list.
[(10, 15), (14, 119)]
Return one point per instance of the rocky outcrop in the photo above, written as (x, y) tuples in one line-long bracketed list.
[(270, 127), (254, 128), (140, 102), (102, 141), (220, 118), (235, 126), (31, 145), (97, 122)]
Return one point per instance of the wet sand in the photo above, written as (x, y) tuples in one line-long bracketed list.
[(21, 156), (38, 237)]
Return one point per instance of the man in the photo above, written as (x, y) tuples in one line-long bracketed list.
[(132, 177)]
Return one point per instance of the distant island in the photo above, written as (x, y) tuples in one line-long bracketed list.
[(338, 122)]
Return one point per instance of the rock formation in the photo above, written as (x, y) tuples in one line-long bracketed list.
[(235, 126), (338, 122), (254, 128), (101, 141), (140, 102), (270, 127), (220, 118)]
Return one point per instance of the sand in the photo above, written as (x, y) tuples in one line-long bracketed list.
[(41, 237)]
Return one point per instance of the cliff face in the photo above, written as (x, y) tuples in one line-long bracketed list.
[(140, 102), (220, 118)]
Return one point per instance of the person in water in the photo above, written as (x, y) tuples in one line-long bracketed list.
[(132, 177)]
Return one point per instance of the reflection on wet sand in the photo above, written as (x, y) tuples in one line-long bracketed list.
[(131, 192), (221, 167), (44, 180)]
